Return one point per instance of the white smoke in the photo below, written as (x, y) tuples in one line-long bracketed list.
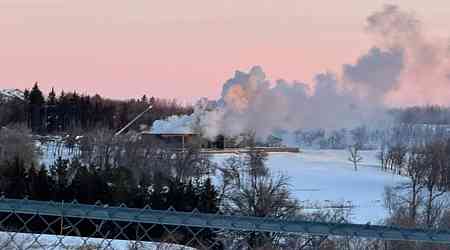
[(173, 125), (251, 104), (426, 59), (403, 64)]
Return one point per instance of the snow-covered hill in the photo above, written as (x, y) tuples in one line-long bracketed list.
[(6, 94)]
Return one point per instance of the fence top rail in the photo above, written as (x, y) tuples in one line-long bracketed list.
[(217, 221)]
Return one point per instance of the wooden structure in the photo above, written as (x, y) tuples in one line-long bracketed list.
[(177, 140)]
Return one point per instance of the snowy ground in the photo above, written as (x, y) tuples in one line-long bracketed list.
[(326, 178), (43, 241), (50, 151)]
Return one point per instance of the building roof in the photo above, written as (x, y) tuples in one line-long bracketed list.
[(172, 133)]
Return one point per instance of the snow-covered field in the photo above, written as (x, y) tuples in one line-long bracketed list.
[(318, 178), (325, 178)]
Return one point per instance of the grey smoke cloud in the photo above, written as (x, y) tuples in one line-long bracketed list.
[(376, 73), (426, 59), (394, 25)]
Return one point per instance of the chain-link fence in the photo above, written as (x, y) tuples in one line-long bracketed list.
[(26, 224)]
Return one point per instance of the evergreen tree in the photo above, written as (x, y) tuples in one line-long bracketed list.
[(208, 200), (190, 197), (26, 95), (39, 184), (123, 115), (14, 179), (122, 184), (52, 115), (158, 198), (36, 109), (59, 174), (44, 185), (35, 96), (142, 197), (144, 99), (51, 99), (83, 187)]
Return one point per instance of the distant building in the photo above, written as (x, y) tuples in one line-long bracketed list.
[(182, 139), (174, 139)]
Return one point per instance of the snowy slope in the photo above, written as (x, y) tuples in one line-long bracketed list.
[(326, 178), (11, 94)]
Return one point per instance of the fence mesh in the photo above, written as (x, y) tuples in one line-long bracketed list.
[(26, 224)]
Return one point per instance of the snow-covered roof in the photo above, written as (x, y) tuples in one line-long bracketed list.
[(11, 94), (173, 125), (168, 133)]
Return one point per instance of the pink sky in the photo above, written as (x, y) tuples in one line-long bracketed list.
[(183, 49)]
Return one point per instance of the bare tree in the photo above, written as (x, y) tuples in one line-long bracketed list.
[(145, 158), (354, 155), (415, 169), (16, 142), (250, 189), (360, 136), (436, 161), (382, 154), (97, 147)]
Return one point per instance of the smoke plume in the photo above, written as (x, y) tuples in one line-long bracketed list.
[(403, 67), (376, 73), (250, 103), (426, 59)]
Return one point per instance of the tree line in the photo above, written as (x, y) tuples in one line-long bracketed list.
[(421, 153), (431, 114), (70, 111)]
